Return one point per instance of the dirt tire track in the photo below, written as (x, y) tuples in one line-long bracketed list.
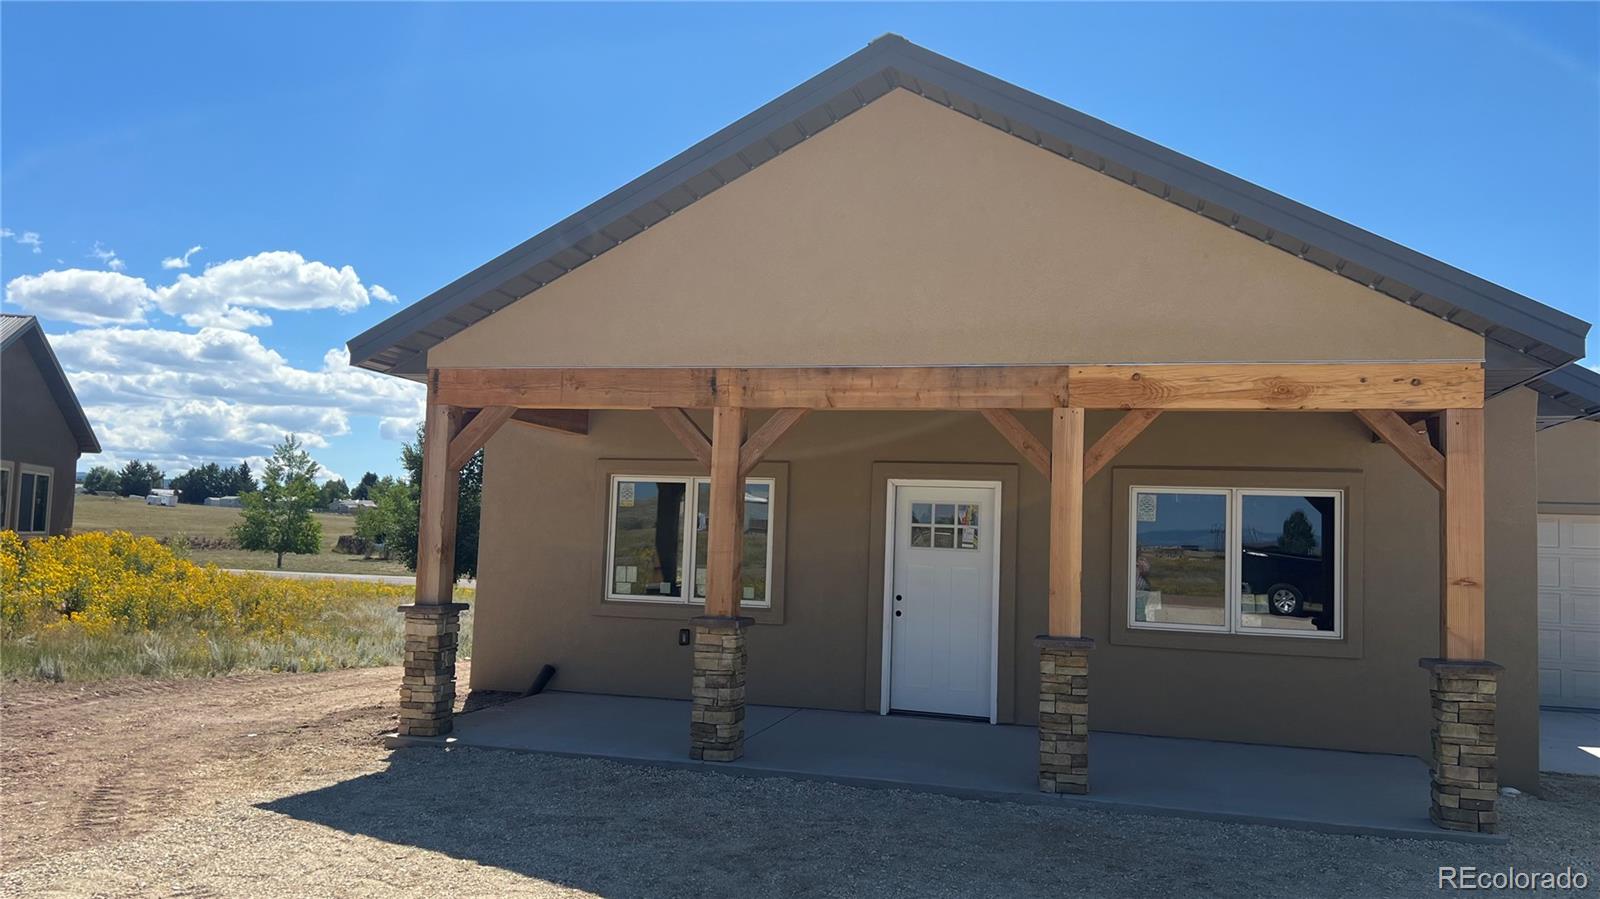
[(84, 765)]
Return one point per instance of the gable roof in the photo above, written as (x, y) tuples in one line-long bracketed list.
[(1526, 338), (1570, 393), (25, 328)]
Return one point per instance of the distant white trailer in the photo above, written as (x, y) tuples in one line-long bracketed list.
[(162, 497), (226, 502)]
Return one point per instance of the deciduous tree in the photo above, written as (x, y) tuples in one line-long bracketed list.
[(277, 517)]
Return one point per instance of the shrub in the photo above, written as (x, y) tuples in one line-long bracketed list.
[(109, 604)]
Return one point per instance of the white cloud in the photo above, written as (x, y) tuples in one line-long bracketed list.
[(107, 257), (219, 395), (181, 261), (279, 280), (227, 295), (82, 296), (26, 238)]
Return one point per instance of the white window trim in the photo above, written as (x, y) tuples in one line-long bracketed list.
[(49, 496), (1233, 549), (10, 468), (690, 536)]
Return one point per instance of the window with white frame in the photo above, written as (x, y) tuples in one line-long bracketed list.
[(33, 499), (657, 539), (1237, 560), (5, 495)]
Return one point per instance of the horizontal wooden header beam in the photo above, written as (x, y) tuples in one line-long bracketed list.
[(1343, 387), (1279, 387)]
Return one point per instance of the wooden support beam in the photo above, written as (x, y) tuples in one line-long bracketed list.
[(688, 433), (441, 494), (1021, 439), (565, 421), (476, 432), (1461, 613), (1279, 387), (1066, 523), (1411, 446), (1115, 440), (771, 431), (943, 387), (1341, 387), (724, 548)]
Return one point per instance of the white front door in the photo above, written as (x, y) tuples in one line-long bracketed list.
[(943, 592), (1569, 611)]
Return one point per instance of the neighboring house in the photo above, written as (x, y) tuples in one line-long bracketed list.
[(1569, 538), (1007, 396), (43, 431)]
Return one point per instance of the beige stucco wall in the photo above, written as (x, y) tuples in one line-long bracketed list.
[(540, 565), (1569, 468), (911, 234)]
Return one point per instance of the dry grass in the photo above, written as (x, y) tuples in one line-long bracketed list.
[(116, 513), (360, 633)]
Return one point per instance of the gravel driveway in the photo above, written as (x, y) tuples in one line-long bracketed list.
[(274, 785)]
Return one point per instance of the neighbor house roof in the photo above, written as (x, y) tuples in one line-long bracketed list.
[(25, 328), (1525, 338), (1569, 393)]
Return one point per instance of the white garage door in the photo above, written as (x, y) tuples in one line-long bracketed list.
[(1569, 611)]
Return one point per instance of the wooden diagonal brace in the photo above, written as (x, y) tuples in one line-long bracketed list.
[(475, 433), (1115, 440), (1413, 447), (770, 432), (688, 433), (1017, 434)]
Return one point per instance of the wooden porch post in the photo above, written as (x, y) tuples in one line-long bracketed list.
[(436, 531), (1463, 684), (1064, 651), (428, 688), (723, 558), (716, 717), (1066, 523), (1461, 622)]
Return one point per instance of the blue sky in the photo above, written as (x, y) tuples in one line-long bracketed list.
[(328, 158)]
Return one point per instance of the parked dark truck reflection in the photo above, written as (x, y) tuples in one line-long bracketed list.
[(1295, 585)]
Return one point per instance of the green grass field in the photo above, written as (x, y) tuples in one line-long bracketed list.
[(131, 514)]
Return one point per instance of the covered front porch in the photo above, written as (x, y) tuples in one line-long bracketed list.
[(1311, 789), (467, 406)]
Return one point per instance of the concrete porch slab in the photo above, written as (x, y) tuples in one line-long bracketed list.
[(1310, 789)]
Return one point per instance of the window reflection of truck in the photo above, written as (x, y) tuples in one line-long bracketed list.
[(1295, 585)]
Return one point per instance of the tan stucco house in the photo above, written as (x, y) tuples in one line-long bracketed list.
[(919, 392), (43, 432)]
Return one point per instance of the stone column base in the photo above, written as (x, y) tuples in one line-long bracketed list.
[(1064, 713), (1465, 760), (716, 719), (428, 690)]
